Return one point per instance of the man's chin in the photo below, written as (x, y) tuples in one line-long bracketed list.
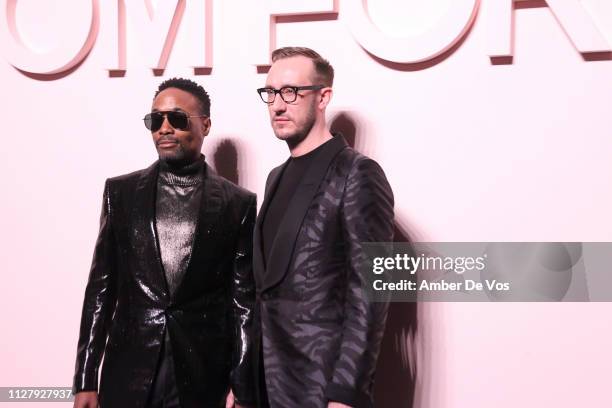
[(284, 135), (171, 158), (292, 139)]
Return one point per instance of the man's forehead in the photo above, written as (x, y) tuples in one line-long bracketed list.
[(290, 71), (174, 98)]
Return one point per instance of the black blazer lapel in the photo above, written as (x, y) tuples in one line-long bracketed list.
[(258, 257), (144, 234), (284, 242), (211, 207)]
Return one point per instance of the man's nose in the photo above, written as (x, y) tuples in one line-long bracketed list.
[(279, 105), (166, 127)]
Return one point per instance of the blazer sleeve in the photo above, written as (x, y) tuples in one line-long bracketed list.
[(243, 297), (99, 304), (366, 216)]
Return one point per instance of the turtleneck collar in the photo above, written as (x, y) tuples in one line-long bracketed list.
[(186, 175)]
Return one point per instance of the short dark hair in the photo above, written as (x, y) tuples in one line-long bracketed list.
[(324, 70), (193, 88)]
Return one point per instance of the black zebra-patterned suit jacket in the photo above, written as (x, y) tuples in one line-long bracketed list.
[(319, 334)]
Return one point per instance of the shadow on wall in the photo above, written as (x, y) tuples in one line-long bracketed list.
[(396, 373), (345, 124), (225, 160)]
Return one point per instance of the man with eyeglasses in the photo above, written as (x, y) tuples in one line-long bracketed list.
[(169, 301), (317, 335)]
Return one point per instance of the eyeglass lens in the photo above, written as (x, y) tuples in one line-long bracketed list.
[(287, 93)]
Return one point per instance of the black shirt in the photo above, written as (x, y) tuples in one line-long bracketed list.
[(290, 179)]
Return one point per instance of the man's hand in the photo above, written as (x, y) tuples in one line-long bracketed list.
[(230, 401), (86, 399), (337, 405)]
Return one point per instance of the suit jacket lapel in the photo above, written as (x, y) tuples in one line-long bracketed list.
[(286, 237), (211, 207), (144, 234), (258, 256)]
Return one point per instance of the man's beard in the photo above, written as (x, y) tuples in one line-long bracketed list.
[(177, 156), (300, 134)]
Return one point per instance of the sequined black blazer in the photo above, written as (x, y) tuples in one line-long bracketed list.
[(127, 300), (319, 334)]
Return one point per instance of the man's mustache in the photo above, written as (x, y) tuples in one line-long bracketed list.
[(167, 139), (281, 116)]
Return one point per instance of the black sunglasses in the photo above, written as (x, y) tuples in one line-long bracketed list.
[(177, 119)]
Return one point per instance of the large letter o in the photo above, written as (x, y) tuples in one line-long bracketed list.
[(452, 27), (84, 23)]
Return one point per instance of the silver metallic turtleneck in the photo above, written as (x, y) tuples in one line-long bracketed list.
[(179, 192)]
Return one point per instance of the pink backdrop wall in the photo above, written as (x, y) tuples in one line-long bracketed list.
[(475, 151)]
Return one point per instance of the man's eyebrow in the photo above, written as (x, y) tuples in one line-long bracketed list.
[(282, 86), (176, 109)]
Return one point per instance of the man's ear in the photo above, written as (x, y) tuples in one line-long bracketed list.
[(326, 95), (206, 124)]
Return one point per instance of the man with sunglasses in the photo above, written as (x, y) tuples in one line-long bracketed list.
[(317, 336), (169, 301)]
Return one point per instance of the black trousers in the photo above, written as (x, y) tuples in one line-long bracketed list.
[(260, 378), (164, 392)]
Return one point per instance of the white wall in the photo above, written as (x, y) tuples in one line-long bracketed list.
[(473, 151)]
